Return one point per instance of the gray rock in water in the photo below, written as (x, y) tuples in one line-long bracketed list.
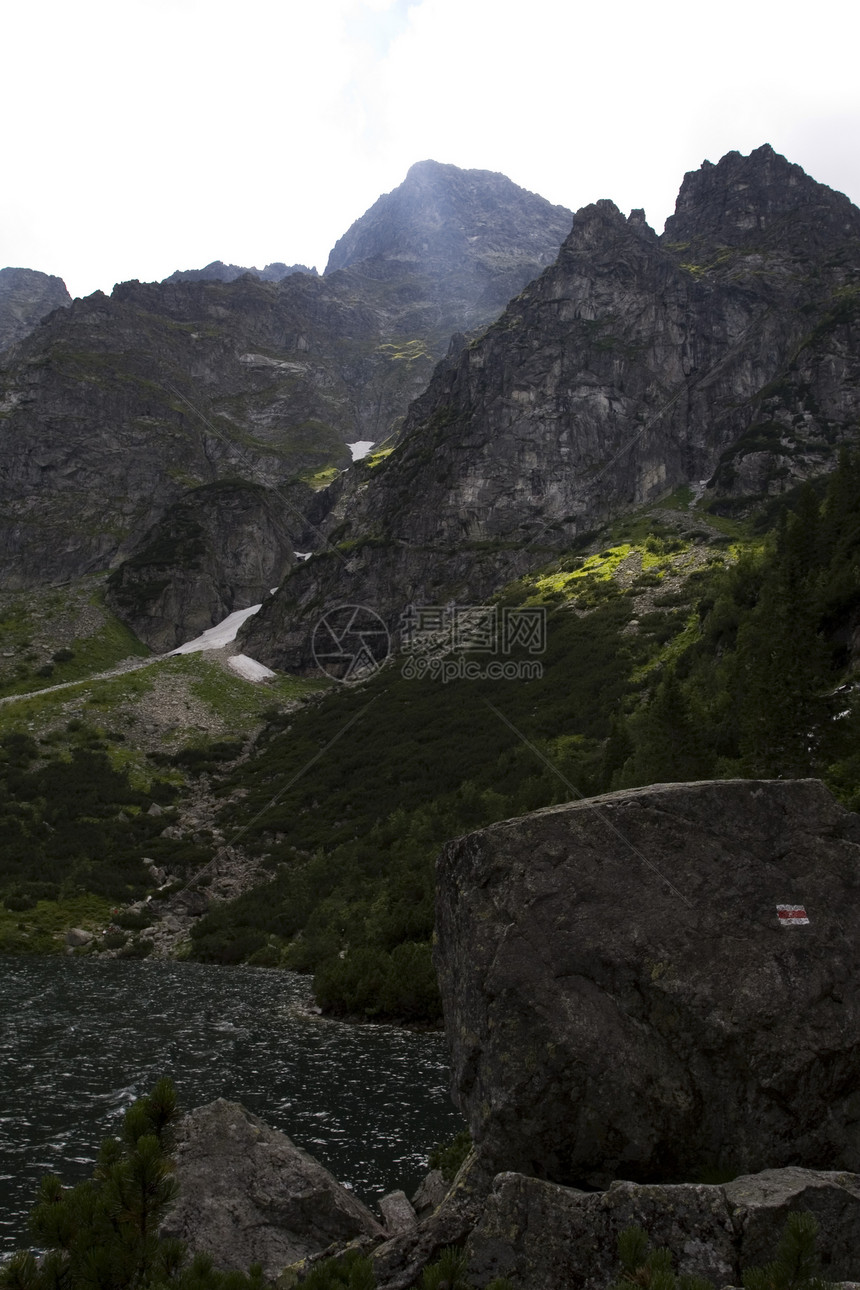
[(540, 1234), (247, 1194), (623, 999)]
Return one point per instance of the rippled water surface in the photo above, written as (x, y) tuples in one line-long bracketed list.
[(81, 1039)]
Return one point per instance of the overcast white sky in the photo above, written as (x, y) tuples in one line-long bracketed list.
[(142, 136)]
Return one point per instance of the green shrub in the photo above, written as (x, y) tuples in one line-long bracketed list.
[(448, 1156), (352, 1271), (114, 940), (796, 1266), (133, 922), (137, 949), (448, 1272), (650, 1269)]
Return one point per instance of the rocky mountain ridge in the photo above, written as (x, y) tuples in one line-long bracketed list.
[(724, 352), (218, 271), (121, 405)]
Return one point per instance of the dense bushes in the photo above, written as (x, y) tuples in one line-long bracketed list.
[(369, 982), (447, 1157), (72, 825), (424, 763), (756, 691)]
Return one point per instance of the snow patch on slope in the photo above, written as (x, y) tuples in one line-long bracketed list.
[(360, 448), (223, 633), (249, 668)]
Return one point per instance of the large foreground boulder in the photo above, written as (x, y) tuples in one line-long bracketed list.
[(247, 1194), (658, 985)]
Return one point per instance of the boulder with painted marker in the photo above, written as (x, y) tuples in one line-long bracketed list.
[(624, 999)]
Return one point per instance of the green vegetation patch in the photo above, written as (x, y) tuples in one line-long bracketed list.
[(73, 828), (40, 647), (760, 681), (318, 479), (40, 927), (233, 699), (377, 457)]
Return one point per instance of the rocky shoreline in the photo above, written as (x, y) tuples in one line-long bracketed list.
[(628, 1006), (248, 1194)]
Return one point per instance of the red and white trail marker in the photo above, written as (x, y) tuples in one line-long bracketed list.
[(791, 915)]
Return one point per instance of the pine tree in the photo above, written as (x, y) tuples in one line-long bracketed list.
[(796, 1266)]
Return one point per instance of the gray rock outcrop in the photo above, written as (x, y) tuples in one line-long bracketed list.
[(76, 937), (430, 1194), (626, 998), (397, 1213), (26, 297), (557, 1238), (248, 1195)]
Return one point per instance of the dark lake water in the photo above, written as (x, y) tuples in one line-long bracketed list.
[(81, 1039)]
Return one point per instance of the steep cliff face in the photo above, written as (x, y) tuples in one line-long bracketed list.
[(759, 201), (119, 405), (116, 407), (26, 297), (724, 351), (219, 548)]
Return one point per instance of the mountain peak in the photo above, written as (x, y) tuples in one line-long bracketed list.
[(443, 218), (741, 200)]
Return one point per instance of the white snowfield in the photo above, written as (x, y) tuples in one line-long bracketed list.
[(360, 448), (223, 633)]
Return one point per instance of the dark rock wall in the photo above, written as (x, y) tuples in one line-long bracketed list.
[(539, 1234)]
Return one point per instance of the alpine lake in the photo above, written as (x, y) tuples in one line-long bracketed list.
[(81, 1039)]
